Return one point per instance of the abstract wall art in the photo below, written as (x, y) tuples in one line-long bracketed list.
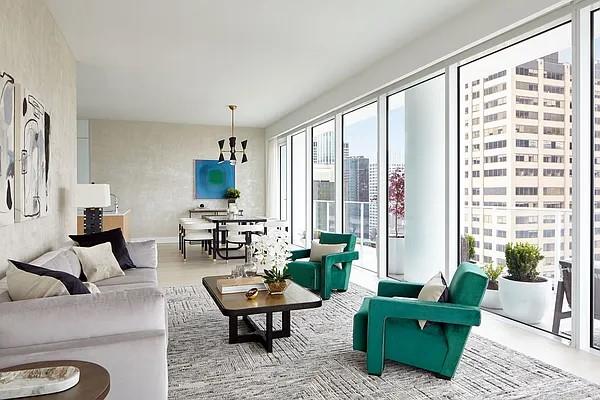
[(7, 149), (212, 178), (33, 159)]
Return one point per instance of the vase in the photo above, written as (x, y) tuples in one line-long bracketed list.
[(276, 288), (524, 301)]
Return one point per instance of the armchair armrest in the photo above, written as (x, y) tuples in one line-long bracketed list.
[(64, 318), (144, 254), (297, 254), (391, 288), (342, 257), (448, 313)]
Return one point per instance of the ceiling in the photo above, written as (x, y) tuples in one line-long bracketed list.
[(184, 60)]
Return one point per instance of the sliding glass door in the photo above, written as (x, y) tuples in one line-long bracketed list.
[(298, 189), (516, 173), (323, 178), (360, 170), (595, 267)]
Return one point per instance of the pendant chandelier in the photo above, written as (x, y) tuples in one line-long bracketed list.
[(233, 150)]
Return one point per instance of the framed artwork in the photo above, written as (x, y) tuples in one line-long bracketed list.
[(33, 137), (212, 179), (7, 149)]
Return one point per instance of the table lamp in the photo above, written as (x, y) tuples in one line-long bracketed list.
[(92, 198)]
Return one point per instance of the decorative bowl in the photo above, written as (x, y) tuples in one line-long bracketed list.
[(252, 293), (277, 287)]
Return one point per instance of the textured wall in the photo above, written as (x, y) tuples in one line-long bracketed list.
[(34, 51), (149, 166)]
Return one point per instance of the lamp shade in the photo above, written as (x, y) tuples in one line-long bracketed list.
[(92, 195)]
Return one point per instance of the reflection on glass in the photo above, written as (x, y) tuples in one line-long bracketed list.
[(299, 189), (323, 173), (360, 181), (515, 117), (595, 269)]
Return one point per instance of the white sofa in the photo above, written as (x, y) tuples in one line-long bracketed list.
[(123, 328)]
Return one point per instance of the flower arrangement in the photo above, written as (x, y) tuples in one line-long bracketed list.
[(271, 252), (232, 193)]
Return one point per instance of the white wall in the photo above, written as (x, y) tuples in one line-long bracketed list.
[(83, 151), (149, 166), (424, 247), (484, 20), (34, 51)]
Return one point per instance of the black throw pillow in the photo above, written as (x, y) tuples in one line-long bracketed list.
[(117, 241), (72, 283)]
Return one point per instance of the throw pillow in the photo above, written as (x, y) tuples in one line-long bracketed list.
[(98, 262), (26, 281), (116, 240), (91, 287), (318, 250), (434, 290)]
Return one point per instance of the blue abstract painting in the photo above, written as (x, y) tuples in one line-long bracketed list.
[(212, 179)]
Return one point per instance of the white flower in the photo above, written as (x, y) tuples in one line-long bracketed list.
[(272, 250)]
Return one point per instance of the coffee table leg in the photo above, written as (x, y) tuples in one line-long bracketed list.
[(233, 329), (285, 324), (269, 333)]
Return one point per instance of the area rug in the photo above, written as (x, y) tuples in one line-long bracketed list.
[(317, 361)]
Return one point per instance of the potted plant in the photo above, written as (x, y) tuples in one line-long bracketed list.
[(271, 254), (491, 299), (396, 206), (523, 292), (232, 194)]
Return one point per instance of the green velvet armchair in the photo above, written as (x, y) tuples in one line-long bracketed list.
[(324, 276), (386, 325)]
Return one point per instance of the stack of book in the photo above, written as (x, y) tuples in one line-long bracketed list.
[(240, 285)]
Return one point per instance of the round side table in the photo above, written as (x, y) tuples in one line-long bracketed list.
[(94, 380)]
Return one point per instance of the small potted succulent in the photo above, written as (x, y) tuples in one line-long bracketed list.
[(232, 194), (276, 280), (491, 299), (523, 292)]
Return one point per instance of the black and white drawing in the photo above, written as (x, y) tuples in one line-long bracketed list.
[(7, 149), (34, 157)]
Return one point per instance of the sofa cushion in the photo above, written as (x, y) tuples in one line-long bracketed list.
[(115, 237), (132, 276), (143, 253), (27, 281), (98, 262), (63, 260)]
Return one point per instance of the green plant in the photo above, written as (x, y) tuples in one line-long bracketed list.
[(232, 193), (493, 273), (522, 261), (470, 246), (275, 275)]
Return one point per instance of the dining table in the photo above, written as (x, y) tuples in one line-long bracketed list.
[(220, 220)]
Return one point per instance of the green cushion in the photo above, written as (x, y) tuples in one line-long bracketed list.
[(337, 238)]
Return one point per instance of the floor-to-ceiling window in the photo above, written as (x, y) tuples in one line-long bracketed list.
[(595, 267), (323, 177), (359, 189), (283, 182), (298, 189), (516, 173), (416, 207)]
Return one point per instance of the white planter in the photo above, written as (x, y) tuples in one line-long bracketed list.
[(523, 301), (396, 256), (491, 299)]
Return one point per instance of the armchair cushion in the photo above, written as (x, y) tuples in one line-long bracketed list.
[(434, 290), (320, 250)]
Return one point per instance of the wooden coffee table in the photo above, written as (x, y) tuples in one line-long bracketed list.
[(94, 380), (235, 305)]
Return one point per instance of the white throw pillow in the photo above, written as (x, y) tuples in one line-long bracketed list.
[(98, 262), (91, 287), (318, 250), (434, 290), (23, 285)]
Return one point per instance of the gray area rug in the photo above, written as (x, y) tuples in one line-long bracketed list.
[(317, 361)]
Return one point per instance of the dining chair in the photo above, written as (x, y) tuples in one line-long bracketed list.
[(181, 230), (241, 236), (198, 232)]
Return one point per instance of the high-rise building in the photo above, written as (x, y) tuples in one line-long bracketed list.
[(518, 164)]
